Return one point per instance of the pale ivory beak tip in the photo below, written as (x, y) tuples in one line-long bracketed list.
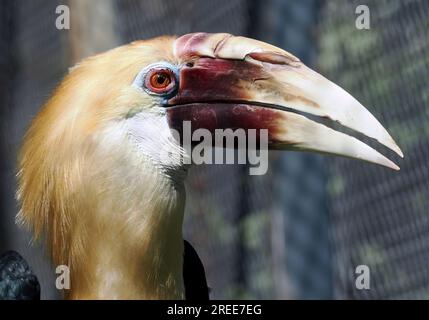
[(397, 168), (392, 165), (399, 151), (394, 147), (388, 164)]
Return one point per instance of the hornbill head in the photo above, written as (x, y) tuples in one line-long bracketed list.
[(93, 176)]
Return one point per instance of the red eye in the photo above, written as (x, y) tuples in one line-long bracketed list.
[(160, 80)]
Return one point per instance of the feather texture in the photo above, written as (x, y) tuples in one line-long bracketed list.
[(106, 211)]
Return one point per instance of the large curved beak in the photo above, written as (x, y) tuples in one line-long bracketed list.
[(236, 82)]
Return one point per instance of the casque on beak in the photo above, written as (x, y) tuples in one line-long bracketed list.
[(236, 82)]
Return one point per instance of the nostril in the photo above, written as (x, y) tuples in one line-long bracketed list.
[(190, 64)]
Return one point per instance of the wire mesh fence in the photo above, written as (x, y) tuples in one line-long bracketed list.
[(380, 218)]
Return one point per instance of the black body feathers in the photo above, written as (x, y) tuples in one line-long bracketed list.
[(17, 280), (194, 276)]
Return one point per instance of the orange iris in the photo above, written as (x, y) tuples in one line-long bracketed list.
[(160, 80)]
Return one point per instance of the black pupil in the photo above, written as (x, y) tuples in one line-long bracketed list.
[(161, 79)]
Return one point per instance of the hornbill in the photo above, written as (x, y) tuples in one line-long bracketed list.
[(93, 181)]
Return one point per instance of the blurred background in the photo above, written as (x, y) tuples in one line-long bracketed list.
[(300, 231)]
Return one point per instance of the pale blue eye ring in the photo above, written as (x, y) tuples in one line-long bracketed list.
[(143, 79)]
